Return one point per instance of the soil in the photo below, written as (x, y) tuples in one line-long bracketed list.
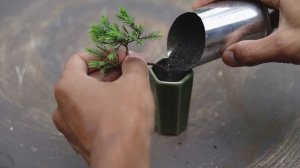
[(181, 60), (182, 57), (168, 74)]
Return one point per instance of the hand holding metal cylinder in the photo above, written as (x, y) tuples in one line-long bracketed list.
[(201, 36)]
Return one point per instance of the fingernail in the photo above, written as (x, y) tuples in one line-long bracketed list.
[(229, 58), (133, 55), (136, 55)]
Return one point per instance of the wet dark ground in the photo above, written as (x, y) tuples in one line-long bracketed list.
[(241, 117)]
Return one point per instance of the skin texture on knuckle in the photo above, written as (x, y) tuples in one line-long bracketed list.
[(244, 56), (59, 90), (62, 87), (74, 139), (281, 44), (288, 47)]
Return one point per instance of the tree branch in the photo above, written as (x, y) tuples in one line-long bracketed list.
[(108, 38)]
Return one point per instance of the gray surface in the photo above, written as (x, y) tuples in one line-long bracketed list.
[(238, 117)]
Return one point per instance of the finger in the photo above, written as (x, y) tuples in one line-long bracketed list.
[(59, 123), (96, 75), (112, 76), (253, 52), (272, 3), (199, 3), (134, 65), (121, 55), (79, 63), (64, 129)]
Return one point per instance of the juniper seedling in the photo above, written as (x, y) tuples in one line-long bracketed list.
[(110, 37)]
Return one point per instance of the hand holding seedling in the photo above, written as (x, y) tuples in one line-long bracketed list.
[(108, 123), (281, 46), (110, 37)]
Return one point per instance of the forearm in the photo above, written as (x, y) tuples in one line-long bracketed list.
[(123, 150)]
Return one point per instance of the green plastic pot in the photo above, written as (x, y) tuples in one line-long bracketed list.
[(172, 101)]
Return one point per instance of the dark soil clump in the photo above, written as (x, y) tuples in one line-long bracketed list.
[(167, 74), (182, 57)]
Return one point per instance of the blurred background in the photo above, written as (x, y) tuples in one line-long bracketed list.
[(239, 117)]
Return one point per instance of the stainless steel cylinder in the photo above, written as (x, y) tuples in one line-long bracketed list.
[(201, 36)]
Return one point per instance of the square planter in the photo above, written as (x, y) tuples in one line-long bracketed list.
[(172, 101)]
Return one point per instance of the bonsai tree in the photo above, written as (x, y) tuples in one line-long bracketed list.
[(110, 37)]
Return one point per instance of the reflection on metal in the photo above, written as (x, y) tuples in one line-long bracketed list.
[(227, 17)]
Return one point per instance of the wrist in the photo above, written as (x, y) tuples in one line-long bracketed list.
[(123, 144)]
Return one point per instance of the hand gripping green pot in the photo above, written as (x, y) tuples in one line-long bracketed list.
[(172, 101)]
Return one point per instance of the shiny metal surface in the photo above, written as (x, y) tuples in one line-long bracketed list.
[(224, 23)]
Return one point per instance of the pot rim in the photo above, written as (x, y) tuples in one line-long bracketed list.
[(187, 77)]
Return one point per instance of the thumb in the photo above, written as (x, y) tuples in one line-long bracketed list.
[(272, 3), (199, 3), (253, 52), (134, 65)]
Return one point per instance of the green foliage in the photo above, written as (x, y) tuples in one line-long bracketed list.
[(95, 52), (112, 55), (96, 64), (109, 37)]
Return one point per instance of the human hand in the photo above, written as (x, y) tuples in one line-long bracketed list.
[(283, 45), (108, 123)]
